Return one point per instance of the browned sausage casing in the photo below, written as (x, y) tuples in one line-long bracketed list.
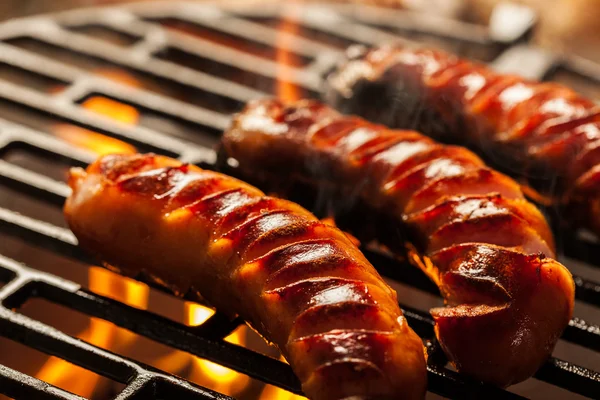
[(487, 248), (543, 132), (301, 283)]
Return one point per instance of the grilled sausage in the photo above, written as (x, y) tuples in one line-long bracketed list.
[(543, 132), (301, 283), (486, 247)]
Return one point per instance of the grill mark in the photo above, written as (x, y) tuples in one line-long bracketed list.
[(276, 235), (453, 71), (330, 133), (434, 152), (192, 188), (414, 181), (115, 166), (501, 228), (455, 209), (311, 292), (482, 181), (261, 233), (511, 122), (343, 316), (483, 268), (353, 372), (373, 152), (356, 138), (586, 160), (228, 209), (324, 349), (521, 123), (309, 258), (155, 182)]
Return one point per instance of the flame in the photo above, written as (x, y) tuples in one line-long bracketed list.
[(92, 141), (119, 76), (123, 113), (286, 90), (204, 372), (99, 332), (75, 379), (275, 393), (215, 376)]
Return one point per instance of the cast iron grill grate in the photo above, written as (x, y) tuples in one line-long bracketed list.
[(191, 66)]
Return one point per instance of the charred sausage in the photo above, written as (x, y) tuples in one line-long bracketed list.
[(301, 283), (542, 132), (486, 247)]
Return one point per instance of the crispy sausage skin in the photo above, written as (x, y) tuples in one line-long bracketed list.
[(542, 132), (486, 247), (301, 283)]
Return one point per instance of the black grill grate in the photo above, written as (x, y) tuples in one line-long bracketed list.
[(150, 43)]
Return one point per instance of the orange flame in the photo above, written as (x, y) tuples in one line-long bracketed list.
[(123, 113), (276, 393), (217, 377), (77, 380), (99, 332), (286, 90)]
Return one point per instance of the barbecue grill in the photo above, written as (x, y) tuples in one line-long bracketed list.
[(192, 66)]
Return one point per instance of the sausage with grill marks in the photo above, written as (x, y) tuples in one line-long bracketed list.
[(486, 247), (542, 132), (301, 283)]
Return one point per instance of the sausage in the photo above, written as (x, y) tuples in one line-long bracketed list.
[(542, 132), (299, 282), (486, 247)]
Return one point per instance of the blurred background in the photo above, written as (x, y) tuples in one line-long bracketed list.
[(563, 24)]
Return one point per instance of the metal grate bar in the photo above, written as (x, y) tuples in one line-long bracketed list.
[(326, 20), (51, 341), (413, 21), (57, 36), (189, 339), (139, 136), (15, 383), (85, 83), (55, 191), (219, 53)]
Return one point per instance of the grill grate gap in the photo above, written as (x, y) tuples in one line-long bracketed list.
[(29, 361), (106, 34), (30, 79), (307, 32), (114, 71), (42, 163), (202, 135), (30, 205), (245, 44), (46, 260), (229, 72), (133, 346)]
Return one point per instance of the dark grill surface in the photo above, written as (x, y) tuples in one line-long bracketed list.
[(188, 68)]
